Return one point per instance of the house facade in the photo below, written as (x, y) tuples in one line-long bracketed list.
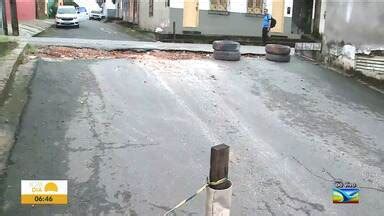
[(129, 10), (26, 10), (221, 17)]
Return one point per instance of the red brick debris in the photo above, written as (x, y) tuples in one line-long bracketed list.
[(87, 53)]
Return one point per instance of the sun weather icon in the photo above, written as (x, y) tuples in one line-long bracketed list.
[(50, 186)]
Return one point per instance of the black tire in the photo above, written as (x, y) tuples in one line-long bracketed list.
[(277, 49), (226, 45), (278, 58), (226, 55)]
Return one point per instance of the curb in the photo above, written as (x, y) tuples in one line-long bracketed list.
[(42, 29), (8, 67), (12, 110)]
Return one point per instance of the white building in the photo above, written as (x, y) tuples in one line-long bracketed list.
[(90, 5), (221, 17)]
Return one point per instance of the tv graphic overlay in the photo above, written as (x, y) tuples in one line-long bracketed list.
[(345, 192), (44, 192)]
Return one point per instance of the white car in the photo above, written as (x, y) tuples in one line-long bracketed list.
[(67, 16), (83, 13), (97, 15)]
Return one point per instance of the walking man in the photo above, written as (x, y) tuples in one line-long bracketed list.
[(266, 25)]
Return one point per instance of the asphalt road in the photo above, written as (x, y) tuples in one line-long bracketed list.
[(133, 137), (93, 29)]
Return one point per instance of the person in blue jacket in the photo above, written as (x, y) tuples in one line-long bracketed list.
[(266, 25)]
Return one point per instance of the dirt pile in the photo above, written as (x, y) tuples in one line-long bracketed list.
[(86, 53)]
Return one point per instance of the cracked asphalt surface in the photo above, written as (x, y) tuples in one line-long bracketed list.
[(133, 136)]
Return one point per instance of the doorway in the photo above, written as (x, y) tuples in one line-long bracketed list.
[(278, 14), (191, 13), (302, 16), (133, 14)]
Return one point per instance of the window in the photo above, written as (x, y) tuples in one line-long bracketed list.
[(255, 6), (219, 5), (150, 8), (66, 10)]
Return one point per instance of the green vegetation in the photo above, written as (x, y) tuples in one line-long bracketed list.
[(52, 8), (3, 39), (6, 47), (30, 49)]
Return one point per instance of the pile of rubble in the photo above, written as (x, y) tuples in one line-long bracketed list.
[(87, 53)]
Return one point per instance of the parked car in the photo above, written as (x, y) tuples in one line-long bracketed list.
[(67, 16), (83, 13), (97, 15)]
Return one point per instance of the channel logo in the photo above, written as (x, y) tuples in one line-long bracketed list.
[(345, 193), (44, 192)]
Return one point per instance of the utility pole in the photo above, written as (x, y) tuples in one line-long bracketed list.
[(4, 15), (14, 20), (316, 23)]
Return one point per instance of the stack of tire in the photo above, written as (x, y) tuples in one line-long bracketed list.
[(277, 53), (226, 50)]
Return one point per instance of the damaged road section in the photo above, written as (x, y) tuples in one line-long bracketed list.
[(87, 53), (70, 53), (132, 134)]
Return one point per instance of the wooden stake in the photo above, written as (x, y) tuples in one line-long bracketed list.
[(219, 166)]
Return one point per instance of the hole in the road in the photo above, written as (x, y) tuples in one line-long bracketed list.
[(87, 53)]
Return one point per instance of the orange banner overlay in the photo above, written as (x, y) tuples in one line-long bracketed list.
[(44, 192), (44, 199)]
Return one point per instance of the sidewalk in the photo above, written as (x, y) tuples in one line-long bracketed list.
[(31, 27), (9, 62), (135, 45), (8, 66), (13, 82)]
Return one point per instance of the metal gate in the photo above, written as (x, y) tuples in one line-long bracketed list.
[(371, 66)]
